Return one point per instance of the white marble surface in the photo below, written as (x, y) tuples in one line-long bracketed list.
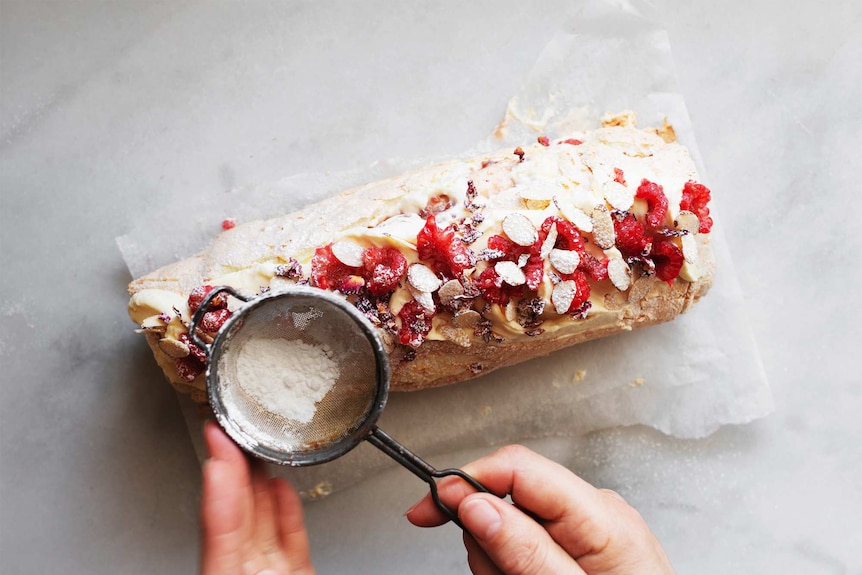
[(108, 105)]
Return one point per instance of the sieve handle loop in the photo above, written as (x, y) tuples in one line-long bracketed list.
[(202, 309), (422, 469)]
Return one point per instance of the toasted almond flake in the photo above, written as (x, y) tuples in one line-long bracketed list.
[(467, 319), (449, 291), (563, 296), (348, 252), (523, 259), (620, 273), (423, 278), (689, 248), (617, 195), (510, 273), (173, 347), (457, 335), (687, 221), (549, 242), (640, 288), (424, 299), (564, 261), (520, 229), (603, 227), (577, 216)]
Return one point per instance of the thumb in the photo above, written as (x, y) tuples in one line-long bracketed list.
[(512, 540)]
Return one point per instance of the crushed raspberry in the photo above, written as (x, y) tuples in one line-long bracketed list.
[(656, 202), (448, 254), (535, 271), (326, 271), (582, 291), (519, 151), (228, 224), (435, 205), (194, 350), (213, 320), (630, 235), (572, 141), (544, 141), (197, 295), (596, 268), (668, 260), (568, 238), (415, 324), (694, 199), (189, 367), (619, 176), (493, 289), (383, 268), (502, 245)]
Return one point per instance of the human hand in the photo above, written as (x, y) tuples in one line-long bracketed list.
[(250, 524), (559, 523)]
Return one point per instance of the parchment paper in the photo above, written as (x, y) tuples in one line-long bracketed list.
[(685, 378)]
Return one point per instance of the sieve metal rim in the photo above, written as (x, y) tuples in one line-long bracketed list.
[(296, 459)]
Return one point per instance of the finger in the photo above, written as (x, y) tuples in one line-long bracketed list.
[(225, 505), (477, 559), (572, 510), (514, 542), (265, 528), (291, 527)]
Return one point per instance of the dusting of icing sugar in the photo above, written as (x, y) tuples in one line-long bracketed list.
[(287, 377)]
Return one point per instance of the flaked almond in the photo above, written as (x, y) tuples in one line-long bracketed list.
[(537, 196), (425, 299), (520, 229), (423, 278), (348, 252), (603, 228), (460, 336), (576, 215), (523, 259), (549, 242), (687, 221), (563, 296), (510, 273), (618, 196), (620, 273), (467, 319), (450, 291), (564, 261), (689, 248), (173, 347), (641, 288)]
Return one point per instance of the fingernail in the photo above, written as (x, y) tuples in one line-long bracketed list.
[(480, 518)]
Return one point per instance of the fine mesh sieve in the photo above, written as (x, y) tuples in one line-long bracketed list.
[(342, 418)]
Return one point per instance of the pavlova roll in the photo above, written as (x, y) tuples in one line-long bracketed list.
[(468, 266)]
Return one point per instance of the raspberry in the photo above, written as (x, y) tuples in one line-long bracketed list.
[(197, 295), (569, 238), (694, 199), (573, 142), (535, 271), (544, 141), (415, 324), (668, 260), (213, 320), (596, 268), (493, 289), (630, 235), (507, 247), (194, 350), (448, 254), (326, 271), (228, 224), (619, 176), (656, 202), (519, 151), (188, 368), (383, 268)]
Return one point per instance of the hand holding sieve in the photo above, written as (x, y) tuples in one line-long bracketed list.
[(348, 412)]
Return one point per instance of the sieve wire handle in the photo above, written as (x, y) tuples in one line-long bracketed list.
[(202, 309), (423, 470)]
